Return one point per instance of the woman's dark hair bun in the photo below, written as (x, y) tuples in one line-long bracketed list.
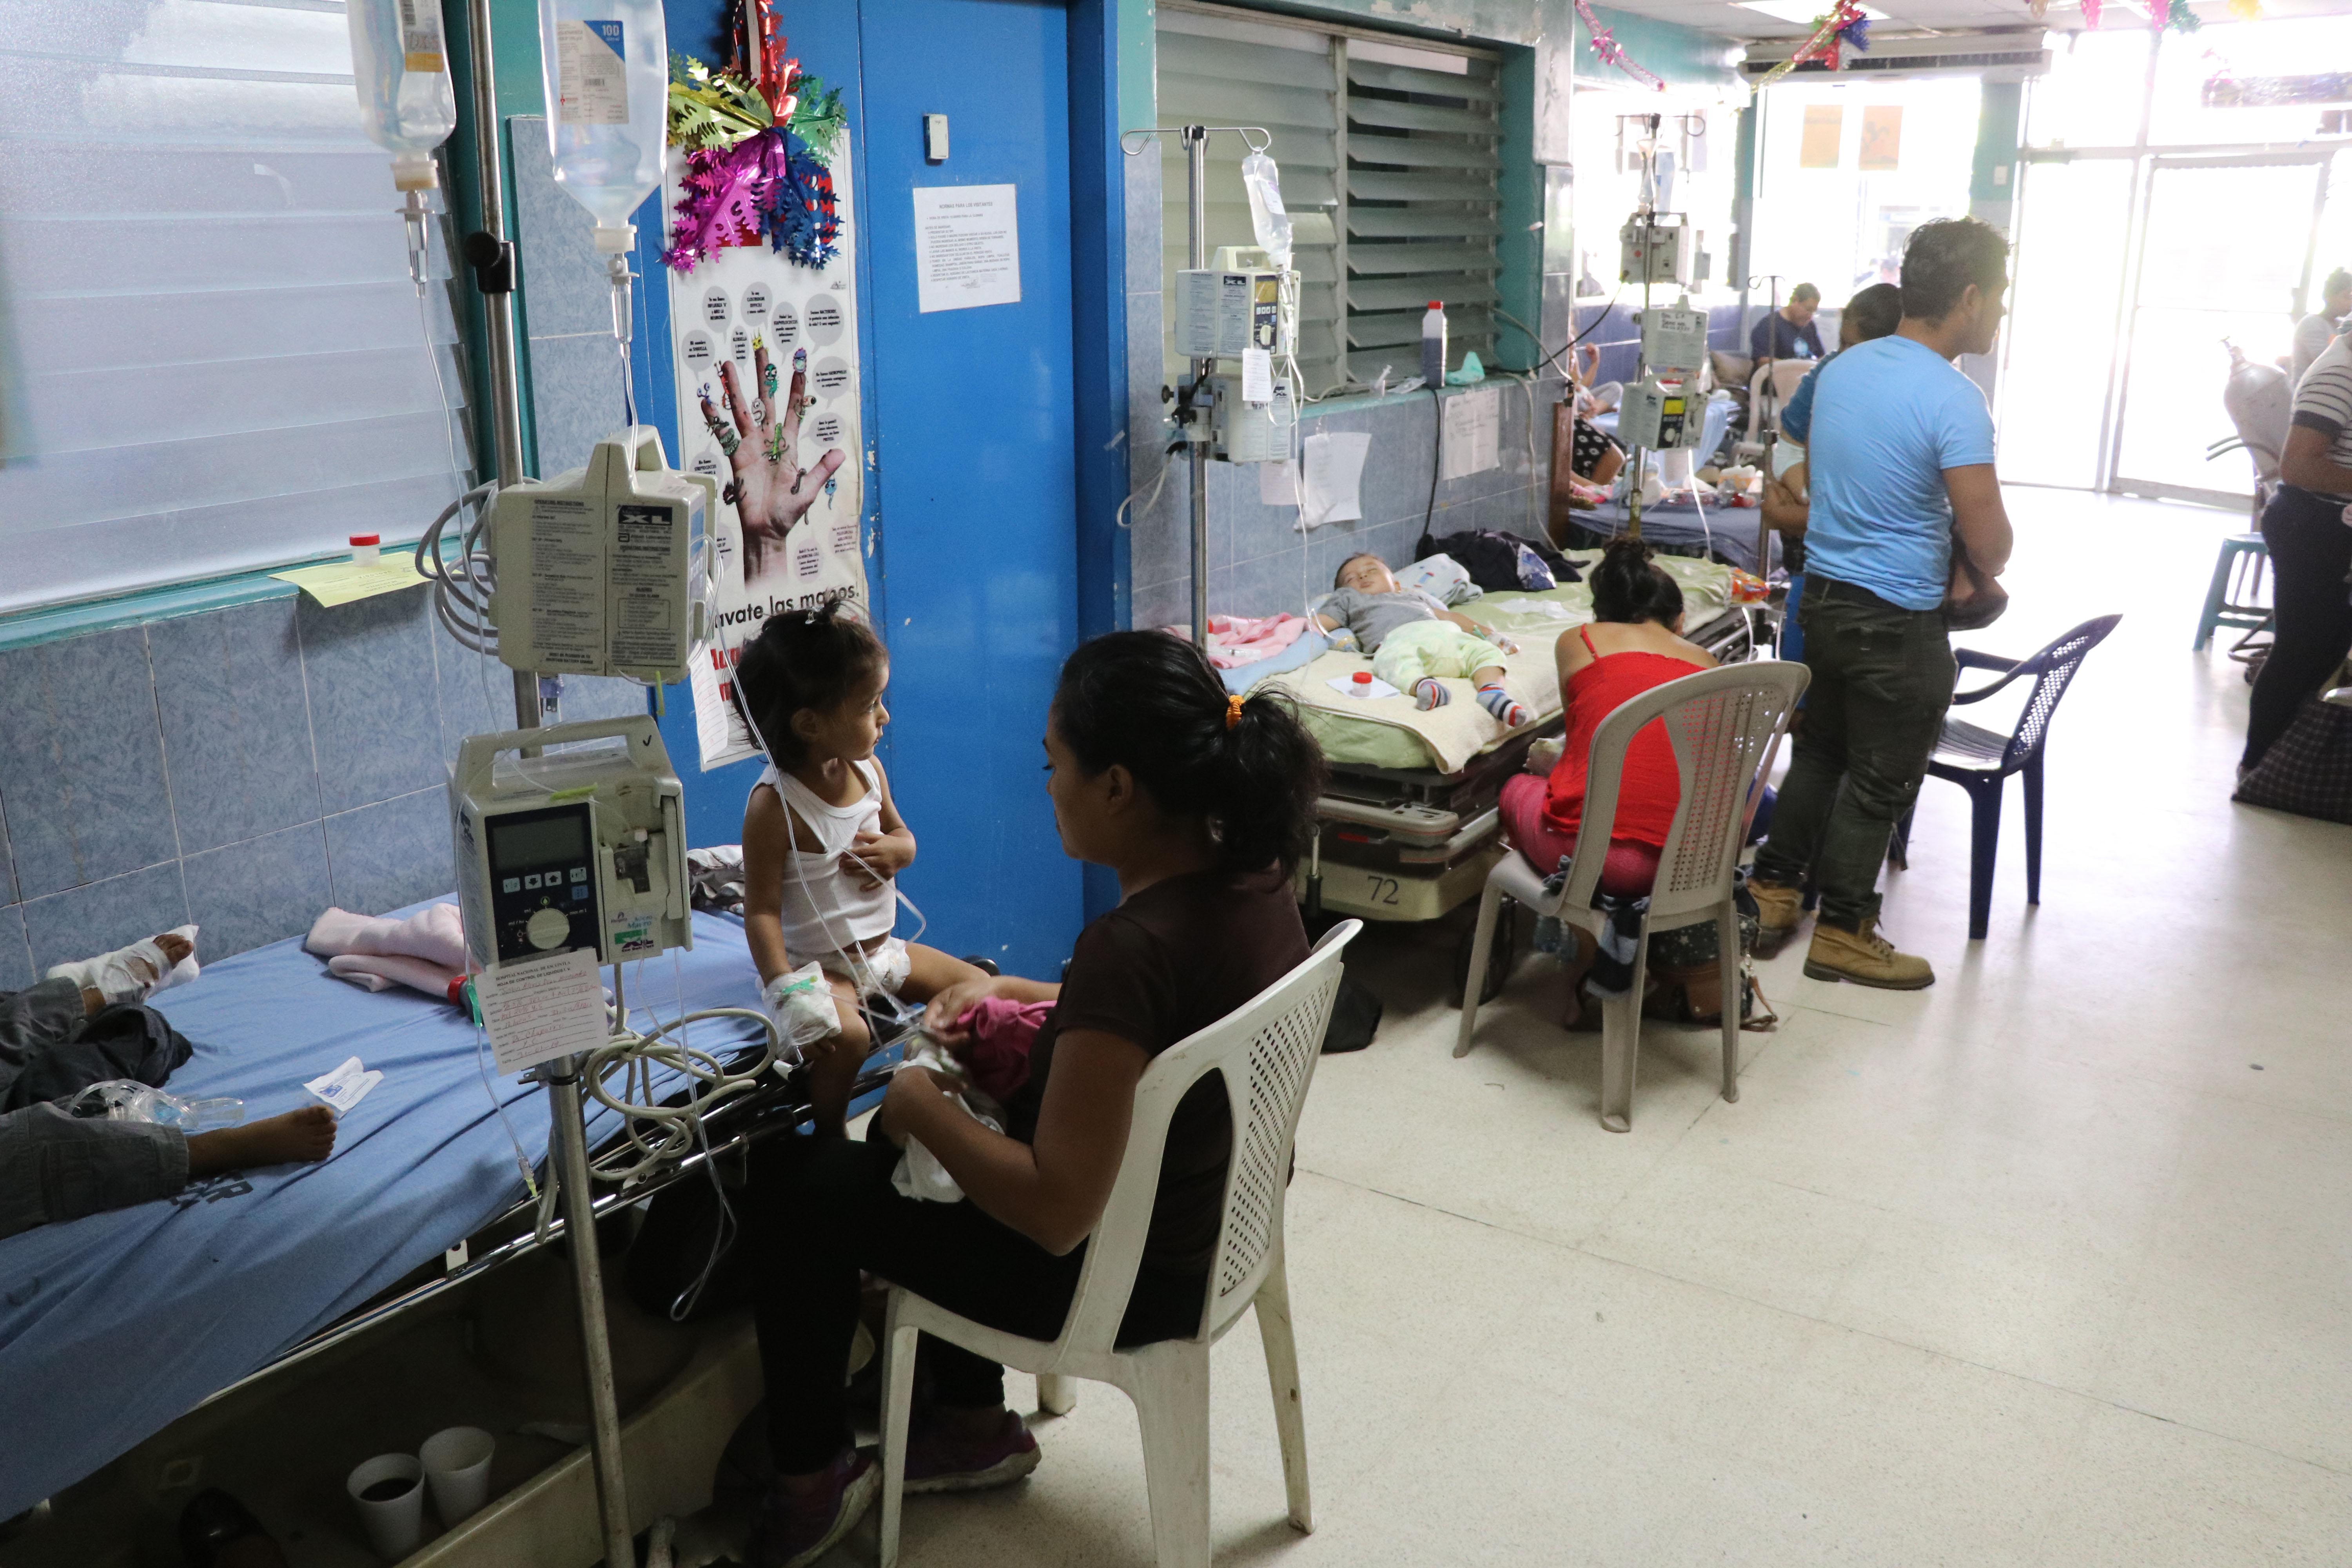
[(803, 659), (1154, 704), (1628, 586)]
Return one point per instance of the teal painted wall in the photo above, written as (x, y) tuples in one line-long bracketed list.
[(1683, 57)]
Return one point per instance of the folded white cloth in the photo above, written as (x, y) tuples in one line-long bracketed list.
[(425, 952), (918, 1173)]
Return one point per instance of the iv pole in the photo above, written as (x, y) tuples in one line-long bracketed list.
[(492, 258), (1193, 412)]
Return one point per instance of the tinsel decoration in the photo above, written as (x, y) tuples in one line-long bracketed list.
[(757, 145), (1611, 52), (2091, 14), (2179, 17), (1854, 35), (2246, 10), (1823, 46)]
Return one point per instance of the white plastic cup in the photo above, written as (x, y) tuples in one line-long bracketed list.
[(395, 1523), (456, 1462)]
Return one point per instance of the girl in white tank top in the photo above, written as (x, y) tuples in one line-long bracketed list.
[(823, 845)]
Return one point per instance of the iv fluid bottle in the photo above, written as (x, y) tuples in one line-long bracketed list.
[(406, 104), (1433, 345), (606, 65)]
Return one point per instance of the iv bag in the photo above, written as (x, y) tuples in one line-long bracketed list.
[(605, 64), (1268, 220), (406, 104)]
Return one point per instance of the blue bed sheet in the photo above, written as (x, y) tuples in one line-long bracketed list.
[(113, 1325), (1729, 532)]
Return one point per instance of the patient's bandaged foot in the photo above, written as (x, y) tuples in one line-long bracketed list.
[(133, 973)]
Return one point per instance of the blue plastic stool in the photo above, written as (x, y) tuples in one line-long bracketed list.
[(2234, 575)]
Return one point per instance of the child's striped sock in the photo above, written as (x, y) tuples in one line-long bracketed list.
[(1497, 701), (1428, 694)]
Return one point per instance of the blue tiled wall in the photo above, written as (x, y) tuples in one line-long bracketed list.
[(1259, 563), (242, 768)]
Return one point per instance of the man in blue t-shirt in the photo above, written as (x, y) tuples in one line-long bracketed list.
[(1788, 333), (1905, 522)]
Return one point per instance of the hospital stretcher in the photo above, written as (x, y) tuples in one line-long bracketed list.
[(1408, 828), (114, 1325)]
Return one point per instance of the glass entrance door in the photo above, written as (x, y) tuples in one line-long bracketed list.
[(2225, 258)]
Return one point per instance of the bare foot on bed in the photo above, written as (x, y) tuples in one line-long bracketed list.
[(298, 1137)]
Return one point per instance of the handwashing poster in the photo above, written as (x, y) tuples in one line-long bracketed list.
[(743, 307)]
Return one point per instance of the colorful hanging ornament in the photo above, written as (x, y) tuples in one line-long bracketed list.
[(1611, 52), (2091, 14), (1822, 45), (758, 141), (2246, 10), (2179, 18)]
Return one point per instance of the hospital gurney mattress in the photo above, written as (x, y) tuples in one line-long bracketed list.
[(112, 1325), (1390, 732)]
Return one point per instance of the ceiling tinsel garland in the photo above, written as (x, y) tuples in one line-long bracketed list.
[(1611, 52), (1845, 22), (756, 155), (2177, 16)]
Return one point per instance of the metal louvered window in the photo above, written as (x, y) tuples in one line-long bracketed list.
[(1388, 152)]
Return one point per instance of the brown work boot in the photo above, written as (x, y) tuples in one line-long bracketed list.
[(1779, 912), (1866, 958)]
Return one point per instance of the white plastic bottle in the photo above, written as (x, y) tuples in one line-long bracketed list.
[(1433, 345), (406, 104), (606, 67)]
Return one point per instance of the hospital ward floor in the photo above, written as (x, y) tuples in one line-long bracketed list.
[(2049, 1264)]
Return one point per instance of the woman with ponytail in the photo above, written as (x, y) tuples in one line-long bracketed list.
[(1201, 803), (1632, 644)]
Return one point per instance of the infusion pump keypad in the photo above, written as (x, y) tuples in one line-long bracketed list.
[(542, 882)]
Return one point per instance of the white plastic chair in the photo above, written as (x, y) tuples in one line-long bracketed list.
[(1267, 1051), (1784, 375), (1723, 725)]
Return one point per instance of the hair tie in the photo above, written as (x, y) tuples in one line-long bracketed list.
[(1233, 711)]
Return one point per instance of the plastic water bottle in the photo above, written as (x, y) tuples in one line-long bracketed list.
[(606, 69), (406, 104), (1433, 345)]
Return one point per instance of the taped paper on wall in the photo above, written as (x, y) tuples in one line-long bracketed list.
[(967, 246), (1331, 487), (1474, 423), (1277, 484)]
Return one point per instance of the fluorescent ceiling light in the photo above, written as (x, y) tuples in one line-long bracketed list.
[(1801, 11)]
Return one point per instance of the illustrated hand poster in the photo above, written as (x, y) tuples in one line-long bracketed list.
[(766, 355)]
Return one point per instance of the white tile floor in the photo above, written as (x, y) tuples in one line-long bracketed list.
[(2050, 1263)]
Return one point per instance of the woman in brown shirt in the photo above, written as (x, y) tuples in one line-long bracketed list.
[(1202, 803)]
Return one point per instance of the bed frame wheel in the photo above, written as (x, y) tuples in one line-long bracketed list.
[(1498, 958)]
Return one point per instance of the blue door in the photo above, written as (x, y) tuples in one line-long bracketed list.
[(976, 471)]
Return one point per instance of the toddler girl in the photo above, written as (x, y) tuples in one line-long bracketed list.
[(822, 843), (1414, 639)]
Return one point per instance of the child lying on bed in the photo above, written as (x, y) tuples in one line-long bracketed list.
[(823, 844), (78, 1027), (1414, 640)]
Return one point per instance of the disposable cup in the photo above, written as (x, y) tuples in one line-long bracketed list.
[(458, 1465), (395, 1523)]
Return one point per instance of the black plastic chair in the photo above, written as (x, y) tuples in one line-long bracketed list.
[(1980, 761)]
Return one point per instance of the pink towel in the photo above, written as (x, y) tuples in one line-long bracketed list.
[(1237, 640), (425, 952), (1001, 1034)]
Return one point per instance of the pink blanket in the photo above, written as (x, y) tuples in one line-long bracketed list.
[(1002, 1032), (426, 953), (1237, 640)]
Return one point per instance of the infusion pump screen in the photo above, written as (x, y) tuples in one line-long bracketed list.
[(524, 844), (543, 889)]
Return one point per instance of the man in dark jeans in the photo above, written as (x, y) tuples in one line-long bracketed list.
[(2311, 553), (1905, 520)]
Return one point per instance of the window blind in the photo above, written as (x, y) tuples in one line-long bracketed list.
[(1389, 158), (212, 359), (1421, 137)]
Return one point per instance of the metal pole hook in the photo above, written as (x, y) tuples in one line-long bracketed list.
[(1257, 137)]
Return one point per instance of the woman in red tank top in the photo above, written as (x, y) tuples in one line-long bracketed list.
[(1632, 644)]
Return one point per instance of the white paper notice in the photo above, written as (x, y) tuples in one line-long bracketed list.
[(1473, 427), (1277, 484), (544, 1008), (1257, 377), (345, 1087), (967, 246), (1332, 488)]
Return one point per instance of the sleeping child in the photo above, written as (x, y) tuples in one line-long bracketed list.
[(823, 844), (1414, 640)]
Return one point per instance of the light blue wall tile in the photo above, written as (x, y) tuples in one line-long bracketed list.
[(81, 764), (106, 915), (373, 712), (7, 864), (1142, 214), (576, 397), (245, 895), (593, 697), (1396, 469), (1161, 547), (382, 856), (236, 725), (17, 970), (564, 286), (1163, 604), (476, 695)]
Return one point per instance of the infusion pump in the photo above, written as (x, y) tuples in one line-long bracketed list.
[(601, 570), (582, 849)]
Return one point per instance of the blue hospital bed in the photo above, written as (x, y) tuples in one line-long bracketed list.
[(114, 1325)]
